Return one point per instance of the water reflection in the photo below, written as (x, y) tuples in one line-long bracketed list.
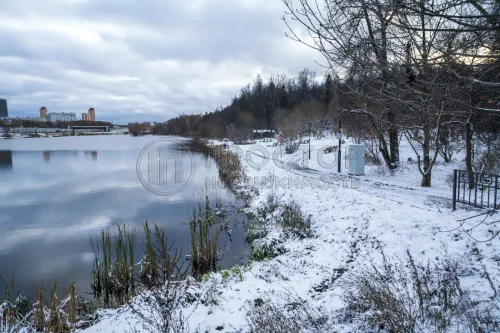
[(91, 153), (5, 159), (48, 211), (49, 154)]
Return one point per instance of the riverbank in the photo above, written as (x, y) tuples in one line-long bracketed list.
[(325, 251)]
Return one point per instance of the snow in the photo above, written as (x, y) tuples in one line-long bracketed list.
[(351, 222)]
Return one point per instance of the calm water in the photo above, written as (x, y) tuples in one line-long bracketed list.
[(56, 192)]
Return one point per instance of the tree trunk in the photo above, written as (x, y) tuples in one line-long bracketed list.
[(393, 140), (468, 153), (426, 177)]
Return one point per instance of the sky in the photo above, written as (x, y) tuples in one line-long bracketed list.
[(140, 60)]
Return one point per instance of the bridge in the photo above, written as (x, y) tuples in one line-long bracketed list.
[(89, 128)]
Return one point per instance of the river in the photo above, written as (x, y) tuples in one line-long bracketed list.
[(55, 193)]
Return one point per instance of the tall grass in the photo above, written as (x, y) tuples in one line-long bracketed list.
[(115, 278), (204, 239), (113, 269)]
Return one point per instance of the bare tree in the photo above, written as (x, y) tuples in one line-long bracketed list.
[(408, 63), (353, 38)]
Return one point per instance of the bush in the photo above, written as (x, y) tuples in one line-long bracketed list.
[(293, 220), (272, 215), (291, 148), (290, 315), (406, 297)]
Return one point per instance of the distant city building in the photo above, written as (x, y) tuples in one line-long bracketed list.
[(92, 114), (43, 112), (62, 116), (4, 112)]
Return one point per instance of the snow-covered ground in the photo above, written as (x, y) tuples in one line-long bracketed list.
[(351, 222)]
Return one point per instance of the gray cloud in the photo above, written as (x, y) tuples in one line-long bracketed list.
[(136, 60)]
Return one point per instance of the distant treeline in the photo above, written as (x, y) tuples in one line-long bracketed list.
[(261, 105)]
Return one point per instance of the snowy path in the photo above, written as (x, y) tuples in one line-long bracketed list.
[(398, 194)]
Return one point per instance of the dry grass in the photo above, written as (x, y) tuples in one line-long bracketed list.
[(286, 313), (57, 313), (401, 295)]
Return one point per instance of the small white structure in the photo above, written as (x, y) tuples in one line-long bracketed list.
[(357, 160)]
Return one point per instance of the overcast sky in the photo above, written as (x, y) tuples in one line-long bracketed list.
[(135, 60)]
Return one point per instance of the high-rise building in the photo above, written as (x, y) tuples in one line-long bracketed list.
[(85, 116), (43, 112), (91, 114), (4, 112)]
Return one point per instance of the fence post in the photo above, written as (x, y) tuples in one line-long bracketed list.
[(495, 207), (455, 189)]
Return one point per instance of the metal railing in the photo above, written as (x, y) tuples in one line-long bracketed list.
[(479, 190)]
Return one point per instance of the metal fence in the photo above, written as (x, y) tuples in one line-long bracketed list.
[(479, 190)]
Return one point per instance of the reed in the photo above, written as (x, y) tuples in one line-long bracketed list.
[(227, 160), (229, 164), (149, 273), (113, 272), (7, 287), (8, 314), (56, 313), (57, 317), (39, 310), (72, 304), (204, 240), (160, 263), (23, 314), (114, 278)]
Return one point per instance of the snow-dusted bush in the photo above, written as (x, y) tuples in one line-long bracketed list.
[(401, 295), (160, 309), (293, 220), (285, 314), (273, 223)]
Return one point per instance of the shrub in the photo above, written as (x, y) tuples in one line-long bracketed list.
[(293, 220), (406, 297), (285, 314)]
